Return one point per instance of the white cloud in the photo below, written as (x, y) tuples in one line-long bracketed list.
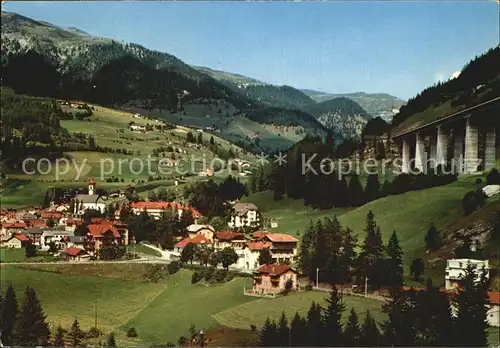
[(455, 75)]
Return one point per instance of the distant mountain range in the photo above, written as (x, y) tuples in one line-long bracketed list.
[(39, 58), (376, 104)]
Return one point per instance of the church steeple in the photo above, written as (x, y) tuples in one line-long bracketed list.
[(91, 186)]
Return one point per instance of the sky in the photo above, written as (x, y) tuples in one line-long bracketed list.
[(339, 47)]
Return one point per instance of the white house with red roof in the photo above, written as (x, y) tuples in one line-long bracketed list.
[(156, 209), (76, 254), (274, 279), (17, 241), (9, 228), (199, 239), (101, 235), (283, 247), (244, 215)]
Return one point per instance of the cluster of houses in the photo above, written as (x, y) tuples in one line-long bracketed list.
[(282, 247)]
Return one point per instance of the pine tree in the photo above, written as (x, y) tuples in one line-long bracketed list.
[(355, 191), (268, 334), (433, 239), (400, 327), (352, 332), (298, 331), (386, 189), (305, 252), (76, 335), (369, 332), (314, 328), (59, 337), (394, 262), (332, 316), (9, 314), (371, 261), (372, 190), (111, 340), (470, 306), (434, 319), (283, 332), (31, 328)]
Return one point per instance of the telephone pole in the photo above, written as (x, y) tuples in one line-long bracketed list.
[(317, 278), (366, 285)]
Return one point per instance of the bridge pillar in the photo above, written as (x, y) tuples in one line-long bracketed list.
[(458, 150), (432, 160), (489, 149), (406, 156), (471, 147), (441, 146), (420, 153)]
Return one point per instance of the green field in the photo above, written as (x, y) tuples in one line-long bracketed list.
[(142, 249), (256, 312), (12, 255)]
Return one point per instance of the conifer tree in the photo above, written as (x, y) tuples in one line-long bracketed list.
[(283, 332), (305, 252), (400, 327), (470, 305), (332, 316), (371, 259), (386, 189), (433, 239), (372, 190), (31, 328), (394, 262), (8, 314), (268, 334), (59, 337), (76, 335), (298, 331), (347, 256), (314, 328), (352, 332), (111, 340), (434, 319), (369, 332), (355, 191)]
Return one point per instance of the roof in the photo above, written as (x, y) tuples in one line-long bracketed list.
[(195, 228), (74, 251), (48, 233), (279, 237), (274, 270), (92, 181), (162, 206), (494, 297), (34, 230), (74, 239), (38, 223), (18, 225), (258, 245), (50, 214), (97, 230), (242, 208), (87, 198), (198, 239), (229, 236), (22, 237), (102, 221)]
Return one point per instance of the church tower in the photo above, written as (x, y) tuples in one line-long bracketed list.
[(91, 186)]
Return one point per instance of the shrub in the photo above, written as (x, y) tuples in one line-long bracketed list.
[(197, 276), (94, 333), (155, 273), (253, 328), (309, 287), (220, 275), (209, 272), (469, 203), (478, 181), (493, 177), (132, 332), (230, 276), (173, 267)]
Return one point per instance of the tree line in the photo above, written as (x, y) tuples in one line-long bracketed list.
[(328, 251), (412, 319)]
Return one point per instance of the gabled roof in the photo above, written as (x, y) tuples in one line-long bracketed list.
[(34, 230), (198, 239), (88, 198), (74, 251), (50, 214), (258, 245), (494, 297), (242, 208), (17, 225), (280, 237), (274, 270), (38, 223), (48, 233), (195, 228), (163, 206), (97, 230), (229, 236), (22, 238)]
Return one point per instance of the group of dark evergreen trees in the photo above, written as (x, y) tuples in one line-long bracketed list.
[(328, 251), (26, 325), (424, 318)]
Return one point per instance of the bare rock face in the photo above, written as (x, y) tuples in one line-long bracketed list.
[(478, 233)]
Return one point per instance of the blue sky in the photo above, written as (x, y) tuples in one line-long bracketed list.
[(373, 46)]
